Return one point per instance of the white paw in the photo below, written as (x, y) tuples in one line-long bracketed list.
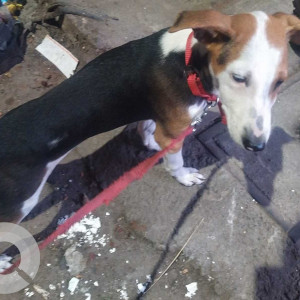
[(188, 176)]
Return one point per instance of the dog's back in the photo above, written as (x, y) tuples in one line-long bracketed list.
[(109, 92)]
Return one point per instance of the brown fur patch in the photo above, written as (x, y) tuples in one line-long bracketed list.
[(228, 34), (172, 117), (276, 31), (163, 134), (292, 26), (243, 26), (202, 19)]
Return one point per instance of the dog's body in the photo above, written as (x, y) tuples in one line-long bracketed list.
[(142, 80)]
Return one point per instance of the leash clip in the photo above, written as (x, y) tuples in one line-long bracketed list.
[(196, 121), (211, 104)]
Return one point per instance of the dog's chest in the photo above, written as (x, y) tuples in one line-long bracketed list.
[(196, 110)]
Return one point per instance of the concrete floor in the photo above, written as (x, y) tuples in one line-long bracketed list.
[(247, 244)]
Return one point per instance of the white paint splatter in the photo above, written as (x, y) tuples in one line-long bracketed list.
[(150, 279), (41, 291), (231, 214), (113, 250), (141, 288), (273, 236), (73, 284), (96, 283), (87, 230), (29, 294), (52, 287), (62, 294), (88, 225), (103, 240), (88, 296), (123, 293), (191, 289)]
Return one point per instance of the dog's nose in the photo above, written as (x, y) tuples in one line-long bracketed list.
[(249, 145)]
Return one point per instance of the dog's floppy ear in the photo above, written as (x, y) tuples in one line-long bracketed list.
[(208, 25), (292, 24)]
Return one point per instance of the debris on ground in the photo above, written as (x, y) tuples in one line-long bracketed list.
[(191, 289), (75, 260), (62, 58), (73, 284)]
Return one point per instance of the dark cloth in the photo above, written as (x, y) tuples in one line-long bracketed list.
[(12, 44)]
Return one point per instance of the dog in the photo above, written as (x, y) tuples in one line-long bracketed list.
[(240, 58)]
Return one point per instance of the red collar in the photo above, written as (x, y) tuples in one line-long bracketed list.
[(194, 80)]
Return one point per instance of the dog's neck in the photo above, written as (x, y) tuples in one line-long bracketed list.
[(176, 43), (200, 63)]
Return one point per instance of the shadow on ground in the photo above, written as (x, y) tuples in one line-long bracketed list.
[(77, 182), (279, 283), (259, 168)]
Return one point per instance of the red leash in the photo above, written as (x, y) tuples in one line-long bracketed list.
[(108, 194), (194, 80)]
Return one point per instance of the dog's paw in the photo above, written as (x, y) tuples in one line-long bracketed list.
[(188, 176)]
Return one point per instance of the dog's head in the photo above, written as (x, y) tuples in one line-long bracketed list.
[(248, 63)]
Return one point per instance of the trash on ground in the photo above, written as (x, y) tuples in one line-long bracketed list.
[(62, 58)]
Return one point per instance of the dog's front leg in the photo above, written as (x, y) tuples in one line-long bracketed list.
[(146, 130), (185, 175), (173, 161)]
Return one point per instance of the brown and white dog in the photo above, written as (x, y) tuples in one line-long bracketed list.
[(240, 58)]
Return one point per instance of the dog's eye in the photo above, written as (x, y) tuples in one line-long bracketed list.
[(278, 84), (239, 78)]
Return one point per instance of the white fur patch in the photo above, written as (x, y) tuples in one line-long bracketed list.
[(175, 42), (259, 60), (30, 203), (146, 129), (52, 144), (196, 110)]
